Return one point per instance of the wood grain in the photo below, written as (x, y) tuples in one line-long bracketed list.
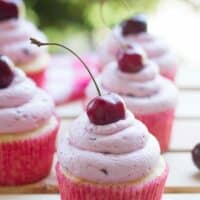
[(184, 177), (185, 134), (57, 197), (188, 104), (188, 78)]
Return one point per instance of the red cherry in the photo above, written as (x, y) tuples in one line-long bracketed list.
[(6, 72), (196, 155), (131, 60), (106, 109), (134, 25), (9, 9)]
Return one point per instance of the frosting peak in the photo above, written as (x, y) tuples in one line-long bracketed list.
[(144, 92), (124, 149), (23, 106), (141, 84)]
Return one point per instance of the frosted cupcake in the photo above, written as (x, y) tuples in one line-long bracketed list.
[(148, 95), (109, 155), (134, 30), (15, 32), (28, 128)]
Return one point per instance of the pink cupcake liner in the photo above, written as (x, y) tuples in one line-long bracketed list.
[(160, 125), (27, 161), (38, 77), (74, 190)]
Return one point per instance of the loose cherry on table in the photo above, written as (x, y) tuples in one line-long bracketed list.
[(134, 25), (9, 9), (130, 59), (196, 155), (6, 73), (106, 109)]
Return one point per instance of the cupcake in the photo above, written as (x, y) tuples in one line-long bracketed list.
[(15, 32), (134, 30), (109, 155), (149, 96), (28, 128)]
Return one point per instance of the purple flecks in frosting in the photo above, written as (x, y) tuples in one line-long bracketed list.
[(23, 106), (109, 158)]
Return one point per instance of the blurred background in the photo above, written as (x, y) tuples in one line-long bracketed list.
[(80, 24)]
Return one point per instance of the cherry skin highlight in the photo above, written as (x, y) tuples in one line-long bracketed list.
[(135, 25), (106, 109), (6, 72)]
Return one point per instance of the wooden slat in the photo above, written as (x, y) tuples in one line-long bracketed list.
[(30, 197), (57, 197), (188, 105), (184, 177), (70, 110), (186, 133), (188, 78), (181, 197)]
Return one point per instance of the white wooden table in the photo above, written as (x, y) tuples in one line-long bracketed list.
[(183, 178)]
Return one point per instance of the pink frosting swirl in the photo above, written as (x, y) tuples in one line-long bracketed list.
[(115, 153), (144, 83), (23, 106), (155, 48), (15, 43), (143, 92)]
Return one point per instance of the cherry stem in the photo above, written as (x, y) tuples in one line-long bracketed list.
[(39, 44)]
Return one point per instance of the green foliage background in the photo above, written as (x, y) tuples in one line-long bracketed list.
[(59, 18)]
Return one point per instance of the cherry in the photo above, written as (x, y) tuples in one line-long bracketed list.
[(6, 72), (106, 109), (101, 110), (196, 155), (134, 25), (131, 59), (9, 9)]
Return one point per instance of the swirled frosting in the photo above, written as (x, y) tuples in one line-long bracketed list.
[(143, 92), (23, 106), (15, 43), (155, 48), (119, 152)]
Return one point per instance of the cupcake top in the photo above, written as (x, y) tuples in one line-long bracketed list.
[(23, 106), (143, 90), (116, 152), (15, 32), (135, 31)]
